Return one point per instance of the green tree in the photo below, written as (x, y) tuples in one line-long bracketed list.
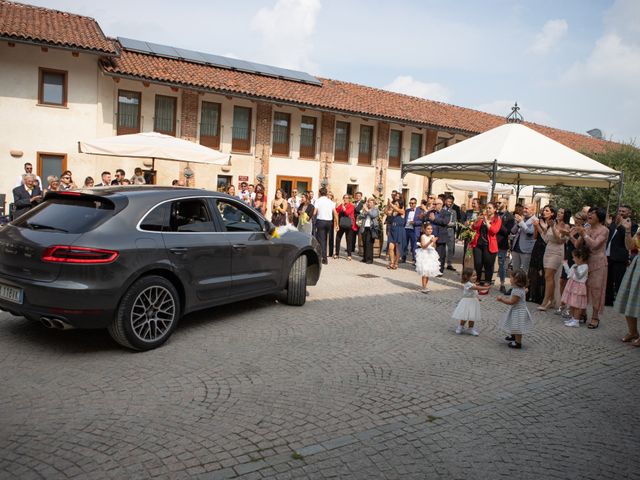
[(621, 157)]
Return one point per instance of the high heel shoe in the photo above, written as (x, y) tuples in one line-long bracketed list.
[(543, 307)]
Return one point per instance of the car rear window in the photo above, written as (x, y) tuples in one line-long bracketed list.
[(73, 216)]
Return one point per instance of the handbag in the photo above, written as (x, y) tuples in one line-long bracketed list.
[(344, 222)]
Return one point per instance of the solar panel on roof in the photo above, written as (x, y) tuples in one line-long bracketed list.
[(191, 55), (216, 60), (131, 44), (163, 50)]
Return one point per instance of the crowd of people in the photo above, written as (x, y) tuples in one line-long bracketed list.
[(29, 189), (564, 262)]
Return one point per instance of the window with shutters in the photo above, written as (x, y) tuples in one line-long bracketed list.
[(365, 145), (395, 148), (308, 137), (281, 125), (128, 112), (164, 120), (210, 124), (341, 152)]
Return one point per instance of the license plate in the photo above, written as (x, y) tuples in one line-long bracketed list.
[(11, 293)]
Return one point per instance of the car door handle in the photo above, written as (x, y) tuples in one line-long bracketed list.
[(239, 246), (178, 250)]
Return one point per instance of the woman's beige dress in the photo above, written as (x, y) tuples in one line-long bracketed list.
[(554, 253), (596, 240)]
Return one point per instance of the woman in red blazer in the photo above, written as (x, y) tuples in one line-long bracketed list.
[(485, 244), (346, 225)]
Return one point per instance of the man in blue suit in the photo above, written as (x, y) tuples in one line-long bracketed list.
[(409, 231), (26, 196), (440, 219)]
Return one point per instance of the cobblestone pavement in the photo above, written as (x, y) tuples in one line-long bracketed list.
[(367, 380)]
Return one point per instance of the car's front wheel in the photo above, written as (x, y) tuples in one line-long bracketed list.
[(147, 315), (297, 282)]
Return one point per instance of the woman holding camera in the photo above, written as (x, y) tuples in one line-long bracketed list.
[(346, 225)]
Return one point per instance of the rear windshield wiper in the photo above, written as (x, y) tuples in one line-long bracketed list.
[(39, 226)]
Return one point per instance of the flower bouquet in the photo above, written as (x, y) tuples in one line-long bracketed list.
[(467, 234), (304, 218)]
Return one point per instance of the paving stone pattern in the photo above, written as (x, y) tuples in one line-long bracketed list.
[(367, 380)]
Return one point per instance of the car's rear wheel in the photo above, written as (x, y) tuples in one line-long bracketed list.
[(147, 315), (297, 283)]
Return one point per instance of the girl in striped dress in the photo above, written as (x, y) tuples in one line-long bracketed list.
[(517, 321)]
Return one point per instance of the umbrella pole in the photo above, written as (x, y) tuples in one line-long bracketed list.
[(494, 172), (620, 189)]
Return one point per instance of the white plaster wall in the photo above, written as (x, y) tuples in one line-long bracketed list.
[(31, 128)]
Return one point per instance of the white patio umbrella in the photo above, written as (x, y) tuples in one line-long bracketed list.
[(154, 145)]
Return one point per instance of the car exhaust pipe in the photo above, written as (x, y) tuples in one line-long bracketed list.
[(60, 325), (55, 323), (46, 322)]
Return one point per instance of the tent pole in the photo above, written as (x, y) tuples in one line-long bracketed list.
[(620, 189), (494, 172), (609, 197), (430, 184), (518, 189)]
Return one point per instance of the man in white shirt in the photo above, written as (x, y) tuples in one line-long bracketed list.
[(244, 195), (294, 201), (326, 220), (28, 170)]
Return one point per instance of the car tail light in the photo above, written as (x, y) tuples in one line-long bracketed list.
[(68, 254)]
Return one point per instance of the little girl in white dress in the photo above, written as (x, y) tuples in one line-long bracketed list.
[(427, 259), (468, 308)]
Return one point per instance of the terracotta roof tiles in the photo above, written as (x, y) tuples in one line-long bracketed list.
[(51, 27), (28, 23), (333, 95)]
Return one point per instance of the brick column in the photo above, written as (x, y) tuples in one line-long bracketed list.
[(382, 156), (189, 127), (327, 138), (264, 114)]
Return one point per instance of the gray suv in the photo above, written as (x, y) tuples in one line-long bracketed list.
[(135, 259)]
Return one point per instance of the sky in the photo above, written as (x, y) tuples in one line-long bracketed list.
[(570, 64)]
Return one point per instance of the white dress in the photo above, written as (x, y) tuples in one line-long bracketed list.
[(468, 307), (427, 259)]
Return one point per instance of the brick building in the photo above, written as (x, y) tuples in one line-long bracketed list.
[(62, 80)]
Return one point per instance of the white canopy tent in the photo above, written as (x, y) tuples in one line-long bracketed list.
[(154, 145), (469, 186), (514, 154)]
